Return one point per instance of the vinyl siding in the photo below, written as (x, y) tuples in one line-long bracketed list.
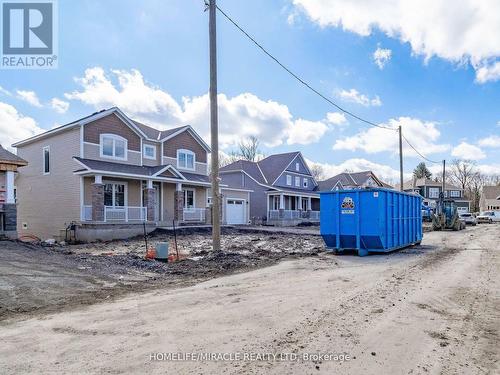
[(151, 162), (200, 168), (111, 125), (56, 195), (92, 151)]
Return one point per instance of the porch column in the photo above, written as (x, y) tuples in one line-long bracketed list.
[(98, 199), (149, 201), (309, 204), (9, 182), (178, 203), (299, 205), (282, 206)]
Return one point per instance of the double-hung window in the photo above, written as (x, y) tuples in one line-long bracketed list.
[(297, 181), (306, 182), (114, 195), (189, 198), (149, 152), (113, 146), (186, 159), (433, 192), (289, 180)]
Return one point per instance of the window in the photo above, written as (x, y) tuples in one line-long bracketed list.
[(455, 194), (149, 152), (433, 192), (297, 167), (209, 201), (289, 180), (297, 181), (46, 160), (185, 159), (276, 202), (188, 198), (113, 147), (306, 182), (114, 195)]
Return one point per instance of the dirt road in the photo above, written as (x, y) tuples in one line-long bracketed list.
[(433, 309)]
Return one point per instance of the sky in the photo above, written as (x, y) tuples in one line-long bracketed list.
[(423, 65)]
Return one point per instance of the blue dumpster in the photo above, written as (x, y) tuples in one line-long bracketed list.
[(370, 220)]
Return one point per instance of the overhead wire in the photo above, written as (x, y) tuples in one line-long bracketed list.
[(311, 88)]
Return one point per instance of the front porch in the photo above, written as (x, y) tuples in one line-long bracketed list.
[(290, 209), (112, 200)]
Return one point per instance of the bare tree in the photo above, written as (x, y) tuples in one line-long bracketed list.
[(318, 172), (462, 172), (249, 148)]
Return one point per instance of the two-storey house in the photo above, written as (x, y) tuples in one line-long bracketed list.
[(281, 187), (107, 173), (430, 191)]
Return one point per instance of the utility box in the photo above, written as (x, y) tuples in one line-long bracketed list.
[(370, 220), (162, 251)]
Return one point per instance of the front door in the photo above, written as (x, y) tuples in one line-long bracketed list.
[(304, 204)]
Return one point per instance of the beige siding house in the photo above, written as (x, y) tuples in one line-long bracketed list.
[(106, 174)]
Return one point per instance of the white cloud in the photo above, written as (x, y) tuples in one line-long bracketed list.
[(491, 141), (240, 116), (355, 96), (29, 97), (381, 56), (336, 118), (383, 171), (4, 91), (59, 105), (14, 126), (305, 132), (464, 31), (422, 135), (467, 151), (489, 169), (488, 72)]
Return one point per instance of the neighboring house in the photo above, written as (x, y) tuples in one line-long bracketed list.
[(355, 180), (108, 174), (283, 190), (430, 191), (490, 198), (9, 163)]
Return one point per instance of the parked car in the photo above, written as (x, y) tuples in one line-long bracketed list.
[(488, 217), (468, 218)]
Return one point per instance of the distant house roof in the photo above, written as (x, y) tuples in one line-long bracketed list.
[(491, 192), (350, 179), (7, 157), (421, 182), (265, 171)]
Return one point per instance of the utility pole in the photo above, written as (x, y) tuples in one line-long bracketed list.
[(444, 176), (214, 127), (400, 159)]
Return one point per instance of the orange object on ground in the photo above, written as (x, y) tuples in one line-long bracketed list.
[(151, 253)]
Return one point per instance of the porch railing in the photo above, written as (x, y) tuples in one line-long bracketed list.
[(294, 215), (194, 214), (117, 214)]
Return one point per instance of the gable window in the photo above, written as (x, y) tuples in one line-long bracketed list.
[(297, 167), (185, 159), (289, 180), (149, 152), (305, 183), (297, 181), (46, 160), (113, 146), (188, 198)]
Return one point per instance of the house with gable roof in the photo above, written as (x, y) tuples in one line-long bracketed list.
[(282, 188), (107, 174)]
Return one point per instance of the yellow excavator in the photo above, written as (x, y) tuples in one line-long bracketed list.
[(446, 215)]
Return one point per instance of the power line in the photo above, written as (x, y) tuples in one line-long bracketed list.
[(422, 156), (298, 78), (307, 85)]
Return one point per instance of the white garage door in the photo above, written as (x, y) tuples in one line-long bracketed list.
[(235, 211)]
